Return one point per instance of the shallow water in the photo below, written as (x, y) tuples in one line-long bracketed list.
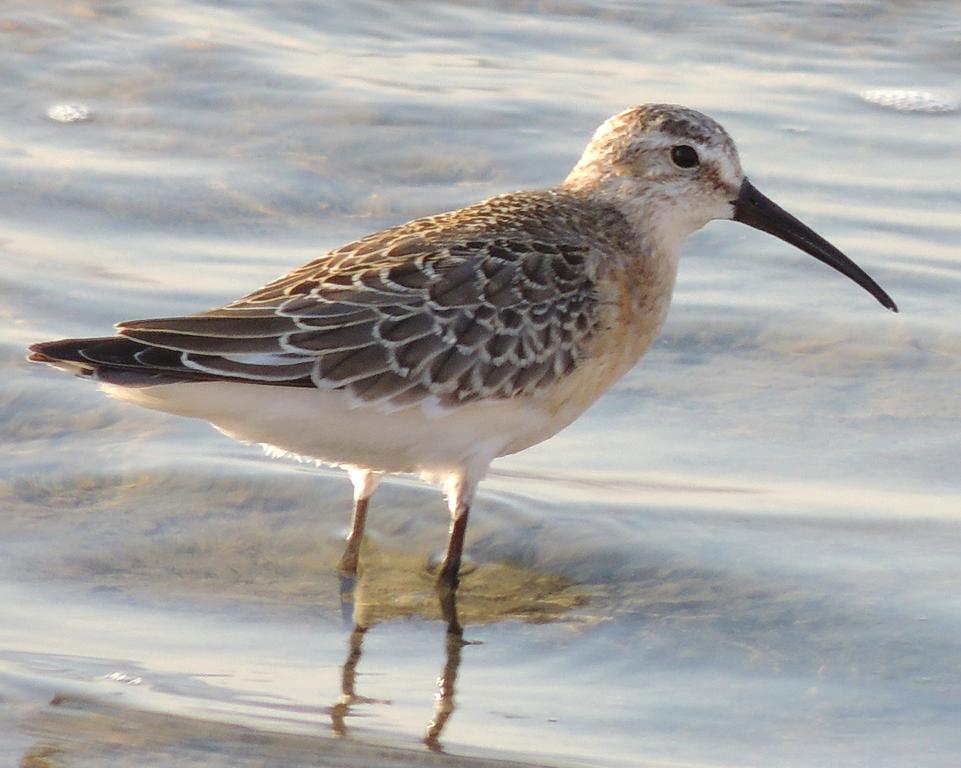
[(747, 553)]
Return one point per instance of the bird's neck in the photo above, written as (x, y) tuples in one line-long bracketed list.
[(656, 224)]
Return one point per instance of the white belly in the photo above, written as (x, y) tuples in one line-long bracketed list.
[(328, 427)]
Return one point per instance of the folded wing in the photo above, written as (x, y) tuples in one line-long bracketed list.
[(398, 317)]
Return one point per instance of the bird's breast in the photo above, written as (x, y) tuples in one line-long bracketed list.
[(635, 297)]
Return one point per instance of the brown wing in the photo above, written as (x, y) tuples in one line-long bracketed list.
[(436, 308)]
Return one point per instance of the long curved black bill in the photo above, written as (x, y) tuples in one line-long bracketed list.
[(755, 210)]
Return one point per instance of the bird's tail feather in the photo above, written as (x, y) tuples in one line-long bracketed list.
[(114, 360)]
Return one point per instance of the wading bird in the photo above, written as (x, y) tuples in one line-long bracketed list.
[(438, 345)]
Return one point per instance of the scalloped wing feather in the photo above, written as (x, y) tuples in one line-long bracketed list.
[(452, 308)]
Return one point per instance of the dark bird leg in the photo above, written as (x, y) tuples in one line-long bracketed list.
[(449, 576), (448, 609), (365, 483), (459, 490), (348, 563)]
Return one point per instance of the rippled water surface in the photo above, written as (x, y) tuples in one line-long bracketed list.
[(747, 553)]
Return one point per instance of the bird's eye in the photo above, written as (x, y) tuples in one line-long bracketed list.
[(684, 156)]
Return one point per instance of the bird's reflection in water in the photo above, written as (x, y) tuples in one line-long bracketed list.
[(444, 706), (496, 592), (348, 697), (444, 700)]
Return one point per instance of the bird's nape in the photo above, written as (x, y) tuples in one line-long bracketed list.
[(760, 212)]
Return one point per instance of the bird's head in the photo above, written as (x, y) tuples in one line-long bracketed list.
[(670, 170)]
